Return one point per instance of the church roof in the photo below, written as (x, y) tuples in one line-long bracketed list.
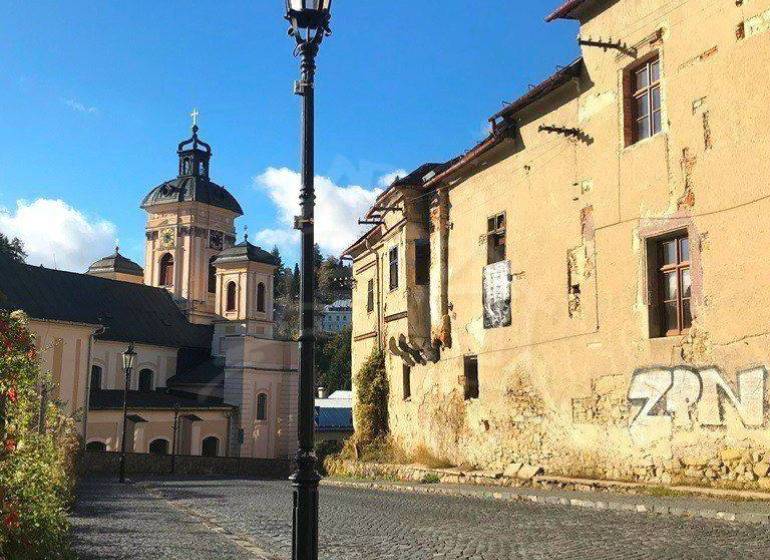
[(246, 252), (130, 312), (116, 263), (207, 372), (192, 188), (162, 399)]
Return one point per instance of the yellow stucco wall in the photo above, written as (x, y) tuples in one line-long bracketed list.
[(590, 392)]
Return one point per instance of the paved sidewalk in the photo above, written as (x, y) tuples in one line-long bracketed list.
[(740, 511)]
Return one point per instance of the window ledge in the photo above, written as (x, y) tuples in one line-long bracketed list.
[(640, 143)]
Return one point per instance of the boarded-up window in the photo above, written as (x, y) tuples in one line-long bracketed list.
[(471, 377), (422, 262)]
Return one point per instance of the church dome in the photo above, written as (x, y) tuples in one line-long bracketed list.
[(245, 252), (193, 183), (115, 264)]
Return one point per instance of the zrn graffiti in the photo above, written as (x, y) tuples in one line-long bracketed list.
[(683, 397)]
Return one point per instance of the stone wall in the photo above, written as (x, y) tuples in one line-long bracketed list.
[(105, 463)]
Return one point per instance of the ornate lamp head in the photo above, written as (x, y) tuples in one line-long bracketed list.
[(310, 15)]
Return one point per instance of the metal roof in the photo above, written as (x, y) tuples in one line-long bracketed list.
[(130, 312), (246, 252), (192, 188), (156, 400), (116, 263)]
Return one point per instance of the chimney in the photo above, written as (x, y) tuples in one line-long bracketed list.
[(322, 393)]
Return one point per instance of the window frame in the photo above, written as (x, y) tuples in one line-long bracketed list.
[(261, 411), (167, 265), (261, 297), (647, 92), (393, 268), (231, 299), (496, 231), (370, 295), (658, 271)]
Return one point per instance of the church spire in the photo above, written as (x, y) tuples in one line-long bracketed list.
[(194, 153)]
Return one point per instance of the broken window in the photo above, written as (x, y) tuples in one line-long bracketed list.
[(471, 377), (644, 109), (422, 262), (407, 381), (671, 285), (393, 267), (496, 238), (370, 296)]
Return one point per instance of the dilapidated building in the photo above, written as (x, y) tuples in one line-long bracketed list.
[(585, 290)]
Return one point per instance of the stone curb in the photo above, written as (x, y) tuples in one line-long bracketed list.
[(605, 503)]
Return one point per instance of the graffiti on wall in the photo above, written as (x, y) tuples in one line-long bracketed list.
[(682, 397)]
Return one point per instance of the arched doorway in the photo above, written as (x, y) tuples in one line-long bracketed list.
[(159, 447), (96, 378), (210, 447)]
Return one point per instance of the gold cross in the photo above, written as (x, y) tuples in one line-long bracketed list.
[(194, 116)]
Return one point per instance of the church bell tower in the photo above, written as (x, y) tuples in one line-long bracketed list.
[(191, 220)]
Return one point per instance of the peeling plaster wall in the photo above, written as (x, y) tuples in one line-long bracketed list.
[(590, 393)]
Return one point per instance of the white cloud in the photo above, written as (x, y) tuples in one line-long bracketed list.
[(79, 107), (386, 180), (337, 210), (57, 235)]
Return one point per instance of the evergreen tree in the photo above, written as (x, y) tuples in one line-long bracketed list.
[(295, 282), (279, 277), (12, 248)]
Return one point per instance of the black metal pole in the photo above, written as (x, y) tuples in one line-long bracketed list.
[(305, 479), (123, 437), (173, 439)]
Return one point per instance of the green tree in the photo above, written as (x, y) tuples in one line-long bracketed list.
[(279, 277), (12, 248), (295, 282)]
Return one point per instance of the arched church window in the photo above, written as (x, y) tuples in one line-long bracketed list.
[(262, 407), (167, 270), (186, 166), (210, 447), (96, 378), (159, 447), (146, 379), (261, 298), (201, 169), (231, 296), (212, 275), (96, 446)]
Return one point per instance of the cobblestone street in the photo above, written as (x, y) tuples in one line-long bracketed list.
[(234, 519)]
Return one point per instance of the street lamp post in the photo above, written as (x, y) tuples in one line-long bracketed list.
[(309, 25), (128, 364)]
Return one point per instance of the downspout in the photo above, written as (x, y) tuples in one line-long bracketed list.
[(89, 366)]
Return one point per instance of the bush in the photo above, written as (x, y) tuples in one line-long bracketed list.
[(324, 449), (371, 410), (36, 462)]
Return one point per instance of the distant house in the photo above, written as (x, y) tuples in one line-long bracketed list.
[(336, 316), (334, 415)]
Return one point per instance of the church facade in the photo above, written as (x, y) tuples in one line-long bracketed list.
[(210, 378)]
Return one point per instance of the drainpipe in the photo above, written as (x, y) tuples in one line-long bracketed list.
[(89, 365)]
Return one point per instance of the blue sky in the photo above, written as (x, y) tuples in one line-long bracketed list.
[(94, 97)]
